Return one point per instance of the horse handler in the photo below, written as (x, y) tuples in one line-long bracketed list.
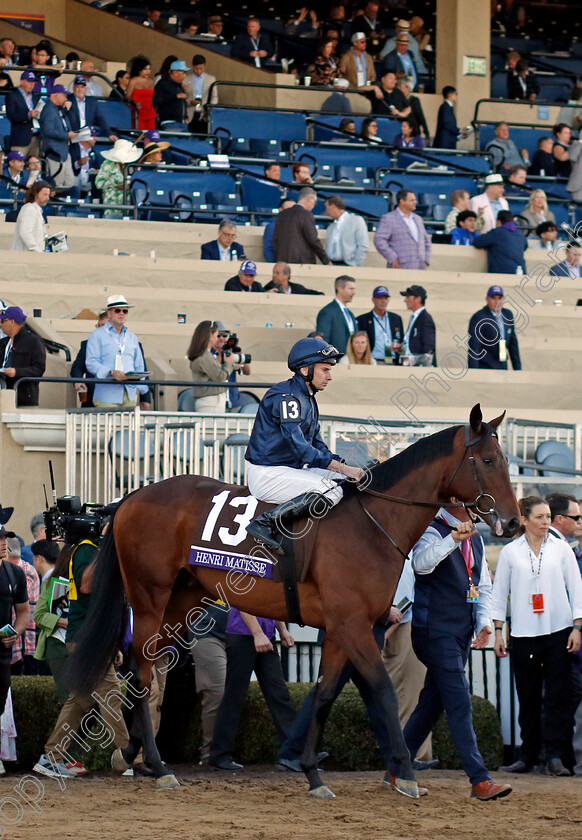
[(289, 464)]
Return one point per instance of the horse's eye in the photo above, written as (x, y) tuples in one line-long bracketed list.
[(487, 461)]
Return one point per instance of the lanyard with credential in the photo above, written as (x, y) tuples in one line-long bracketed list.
[(387, 332)]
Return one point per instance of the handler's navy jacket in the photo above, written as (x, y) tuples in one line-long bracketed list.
[(286, 431)]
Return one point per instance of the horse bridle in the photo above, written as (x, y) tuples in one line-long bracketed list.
[(469, 444)]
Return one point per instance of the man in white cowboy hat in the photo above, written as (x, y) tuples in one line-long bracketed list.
[(110, 177), (489, 203), (113, 352)]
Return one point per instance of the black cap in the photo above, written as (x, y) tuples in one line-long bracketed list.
[(5, 533), (415, 291)]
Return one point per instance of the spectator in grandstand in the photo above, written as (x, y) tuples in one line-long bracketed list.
[(401, 237), (154, 20), (295, 239), (21, 111), (22, 354), (79, 368), (325, 68), (492, 336), (543, 161), (464, 233), (272, 171), (409, 136), (416, 111), (347, 237), (85, 111), (511, 60), (120, 85), (403, 28), (8, 51), (208, 364), (358, 67), (419, 33), (300, 27), (282, 284), (401, 61), (460, 199), (170, 97), (111, 175), (571, 114), (505, 246), (369, 130), (515, 184), (384, 329), (87, 70), (570, 267), (55, 137), (112, 352), (358, 350), (545, 632), (245, 280), (348, 126), (224, 247), (574, 185), (13, 169), (191, 26), (45, 73), (216, 27), (87, 160), (489, 203), (419, 342), (505, 152), (336, 322), (522, 82), (254, 45), (447, 132), (536, 210), (29, 233), (548, 233), (393, 102), (153, 152), (197, 85), (337, 102), (563, 135), (368, 22), (141, 91), (269, 231), (6, 83)]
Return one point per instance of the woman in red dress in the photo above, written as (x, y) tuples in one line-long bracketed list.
[(141, 91)]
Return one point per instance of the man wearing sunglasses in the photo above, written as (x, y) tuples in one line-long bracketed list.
[(565, 515), (113, 352)]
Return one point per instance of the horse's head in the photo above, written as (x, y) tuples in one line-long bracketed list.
[(482, 477)]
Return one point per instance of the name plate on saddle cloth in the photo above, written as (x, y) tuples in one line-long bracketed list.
[(229, 560)]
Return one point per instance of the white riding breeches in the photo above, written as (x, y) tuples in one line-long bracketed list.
[(280, 484)]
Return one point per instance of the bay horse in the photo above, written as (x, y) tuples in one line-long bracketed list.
[(356, 562)]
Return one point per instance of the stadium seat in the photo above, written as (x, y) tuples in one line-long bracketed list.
[(357, 174), (256, 193), (186, 401), (117, 114)]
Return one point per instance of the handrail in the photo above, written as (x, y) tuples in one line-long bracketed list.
[(516, 102), (269, 86)]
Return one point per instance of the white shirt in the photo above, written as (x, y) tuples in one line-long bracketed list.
[(333, 240), (224, 253), (405, 588), (347, 315), (413, 318), (432, 549), (410, 224), (559, 582), (81, 106)]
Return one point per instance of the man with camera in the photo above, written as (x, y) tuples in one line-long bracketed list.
[(227, 349)]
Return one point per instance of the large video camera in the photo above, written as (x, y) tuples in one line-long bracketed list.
[(72, 522), (232, 351)]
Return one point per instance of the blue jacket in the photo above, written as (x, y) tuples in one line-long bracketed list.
[(268, 235), (54, 135), (286, 430), (422, 338), (560, 270), (21, 127), (332, 326), (93, 116), (446, 131), (505, 249), (484, 340), (462, 236), (210, 251)]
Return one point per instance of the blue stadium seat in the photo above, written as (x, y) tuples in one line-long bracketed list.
[(357, 174), (222, 200), (117, 114), (344, 155), (265, 148), (420, 182), (440, 212), (255, 124), (256, 193)]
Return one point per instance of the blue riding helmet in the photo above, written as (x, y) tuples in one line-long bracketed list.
[(310, 351)]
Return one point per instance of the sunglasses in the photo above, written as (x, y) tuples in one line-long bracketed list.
[(125, 311), (223, 334), (575, 518)]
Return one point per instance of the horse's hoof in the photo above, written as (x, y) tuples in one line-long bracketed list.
[(322, 792), (118, 763), (168, 782), (404, 786)]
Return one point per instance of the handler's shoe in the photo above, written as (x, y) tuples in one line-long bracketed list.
[(53, 768), (489, 790), (77, 768)]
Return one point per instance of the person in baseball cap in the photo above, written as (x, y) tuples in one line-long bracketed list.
[(419, 344), (245, 280), (14, 168), (492, 336), (169, 95), (13, 313), (22, 354), (384, 329), (6, 534)]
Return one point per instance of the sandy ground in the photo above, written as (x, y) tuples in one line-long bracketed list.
[(264, 804)]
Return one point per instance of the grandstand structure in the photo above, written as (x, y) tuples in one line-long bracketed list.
[(151, 254)]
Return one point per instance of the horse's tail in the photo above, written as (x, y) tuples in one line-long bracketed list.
[(101, 635)]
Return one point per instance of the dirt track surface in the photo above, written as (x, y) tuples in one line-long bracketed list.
[(265, 804)]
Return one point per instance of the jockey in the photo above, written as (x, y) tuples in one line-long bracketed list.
[(288, 462)]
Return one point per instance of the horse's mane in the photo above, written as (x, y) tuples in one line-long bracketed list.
[(424, 451)]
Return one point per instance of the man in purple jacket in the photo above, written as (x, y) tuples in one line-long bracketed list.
[(401, 236)]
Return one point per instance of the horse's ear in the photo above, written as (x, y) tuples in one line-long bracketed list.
[(495, 423), (476, 419)]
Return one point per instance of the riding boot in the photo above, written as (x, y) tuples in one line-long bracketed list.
[(270, 527)]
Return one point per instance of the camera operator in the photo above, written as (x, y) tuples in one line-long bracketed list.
[(228, 343), (209, 363)]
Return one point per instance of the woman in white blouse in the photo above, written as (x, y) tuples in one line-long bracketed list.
[(541, 575)]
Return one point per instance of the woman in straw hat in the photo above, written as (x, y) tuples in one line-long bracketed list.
[(111, 174)]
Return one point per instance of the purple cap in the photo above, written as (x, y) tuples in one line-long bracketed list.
[(28, 76), (154, 135), (381, 291), (248, 267), (14, 313), (80, 80), (15, 156), (59, 89), (495, 290)]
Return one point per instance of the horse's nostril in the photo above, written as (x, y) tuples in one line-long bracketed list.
[(512, 526)]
